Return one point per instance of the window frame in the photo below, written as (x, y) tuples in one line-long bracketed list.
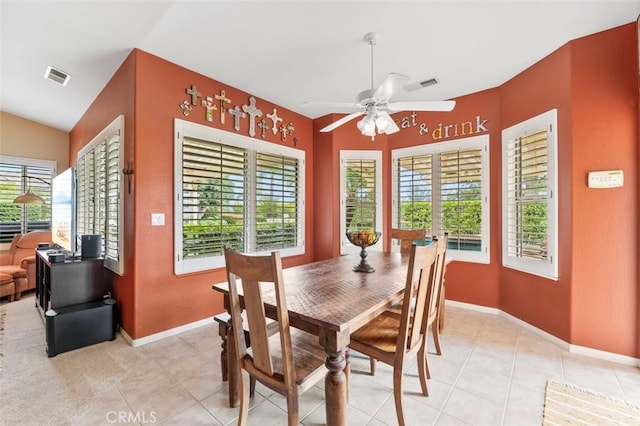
[(345, 245), (188, 129), (113, 263), (547, 120), (473, 142)]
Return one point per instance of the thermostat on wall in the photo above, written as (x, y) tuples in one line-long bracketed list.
[(606, 179)]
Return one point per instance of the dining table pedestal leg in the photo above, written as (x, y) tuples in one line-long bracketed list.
[(335, 388)]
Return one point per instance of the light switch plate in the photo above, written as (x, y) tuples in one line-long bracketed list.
[(606, 179), (157, 219)]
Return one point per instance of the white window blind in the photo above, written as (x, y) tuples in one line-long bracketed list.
[(361, 202), (213, 188), (17, 175), (529, 203), (444, 187), (360, 195), (237, 191), (99, 190), (414, 192), (277, 209), (460, 198)]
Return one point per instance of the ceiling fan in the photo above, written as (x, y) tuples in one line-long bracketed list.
[(376, 105)]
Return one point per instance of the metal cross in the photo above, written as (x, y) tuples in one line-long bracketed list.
[(194, 94), (291, 128), (274, 117), (283, 132), (223, 101), (253, 113), (237, 115), (210, 107), (264, 126)]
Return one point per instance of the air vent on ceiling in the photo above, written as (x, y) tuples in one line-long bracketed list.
[(57, 76), (420, 84)]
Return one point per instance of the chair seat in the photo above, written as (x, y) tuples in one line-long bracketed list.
[(380, 333), (308, 357)]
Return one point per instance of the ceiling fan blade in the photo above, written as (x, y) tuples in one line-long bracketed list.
[(422, 106), (338, 107), (390, 85), (340, 122)]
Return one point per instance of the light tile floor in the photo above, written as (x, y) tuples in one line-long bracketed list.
[(491, 372)]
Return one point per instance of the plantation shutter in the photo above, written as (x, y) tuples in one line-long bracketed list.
[(100, 177), (527, 196), (460, 198), (414, 198), (277, 210), (15, 180), (213, 192), (113, 187), (361, 202)]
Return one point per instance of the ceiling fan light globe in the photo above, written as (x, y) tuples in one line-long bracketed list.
[(367, 126)]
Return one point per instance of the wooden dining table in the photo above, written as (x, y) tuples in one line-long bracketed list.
[(330, 300)]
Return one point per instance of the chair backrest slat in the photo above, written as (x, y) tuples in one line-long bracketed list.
[(420, 274), (436, 287)]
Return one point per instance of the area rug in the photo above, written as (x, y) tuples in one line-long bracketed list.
[(570, 405)]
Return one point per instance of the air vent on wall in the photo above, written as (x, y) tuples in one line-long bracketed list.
[(57, 76)]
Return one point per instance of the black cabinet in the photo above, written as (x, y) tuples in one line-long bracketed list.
[(72, 296), (70, 282)]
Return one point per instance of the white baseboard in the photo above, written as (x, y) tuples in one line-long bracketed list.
[(166, 333), (581, 350)]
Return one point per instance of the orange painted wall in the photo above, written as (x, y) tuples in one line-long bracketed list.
[(604, 70), (154, 299), (116, 98), (546, 85)]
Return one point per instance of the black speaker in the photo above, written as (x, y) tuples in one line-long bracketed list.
[(91, 246)]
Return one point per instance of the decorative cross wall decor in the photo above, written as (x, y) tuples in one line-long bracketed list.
[(253, 113), (194, 94), (237, 115), (274, 117), (250, 109), (210, 107), (223, 101), (186, 108), (264, 127)]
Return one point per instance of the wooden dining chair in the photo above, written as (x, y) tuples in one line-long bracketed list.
[(407, 237), (289, 362), (434, 322), (394, 339)]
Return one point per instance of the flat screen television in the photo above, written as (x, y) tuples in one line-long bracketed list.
[(63, 211)]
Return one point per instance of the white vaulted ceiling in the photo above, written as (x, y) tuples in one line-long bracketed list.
[(286, 52)]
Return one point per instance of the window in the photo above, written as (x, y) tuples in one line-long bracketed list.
[(17, 175), (100, 197), (444, 187), (360, 195), (234, 190), (529, 201)]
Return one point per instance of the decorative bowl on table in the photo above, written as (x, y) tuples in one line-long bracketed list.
[(363, 239)]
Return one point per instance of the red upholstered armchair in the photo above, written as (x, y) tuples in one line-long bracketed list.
[(19, 260)]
